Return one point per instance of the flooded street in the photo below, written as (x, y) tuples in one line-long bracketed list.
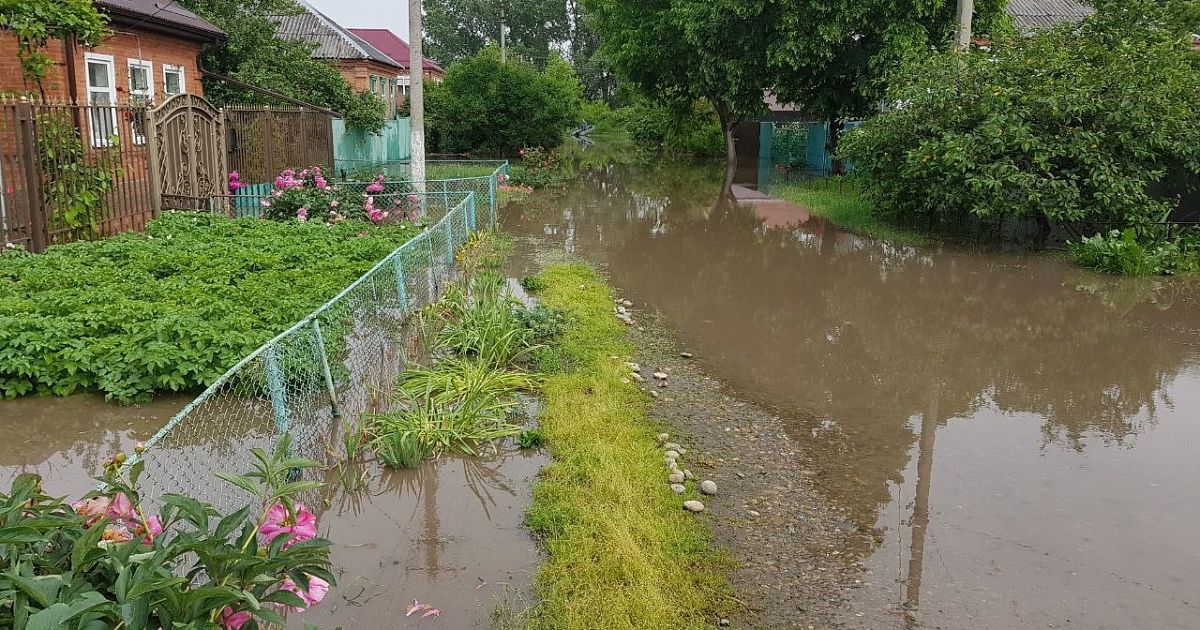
[(1015, 442)]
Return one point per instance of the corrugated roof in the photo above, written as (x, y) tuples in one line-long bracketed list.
[(391, 45), (1033, 15), (162, 13), (332, 41)]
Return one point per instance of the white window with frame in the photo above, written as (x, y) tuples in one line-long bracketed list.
[(141, 93), (173, 82), (402, 86), (102, 98)]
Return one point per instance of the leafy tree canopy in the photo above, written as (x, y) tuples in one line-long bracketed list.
[(35, 22), (455, 29), (1068, 125), (256, 55), (681, 51), (486, 105)]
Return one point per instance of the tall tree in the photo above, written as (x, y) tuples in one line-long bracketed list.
[(683, 50), (455, 29), (35, 22), (255, 54), (834, 59)]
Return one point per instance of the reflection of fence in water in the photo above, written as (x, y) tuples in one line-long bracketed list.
[(332, 367)]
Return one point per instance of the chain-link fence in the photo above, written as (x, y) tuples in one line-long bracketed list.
[(442, 177), (319, 377)]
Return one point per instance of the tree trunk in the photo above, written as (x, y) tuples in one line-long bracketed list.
[(836, 165), (727, 124)]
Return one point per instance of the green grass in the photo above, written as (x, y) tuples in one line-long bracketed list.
[(845, 205), (622, 553)]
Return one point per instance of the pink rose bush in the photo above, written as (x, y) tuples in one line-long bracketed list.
[(307, 196), (235, 181)]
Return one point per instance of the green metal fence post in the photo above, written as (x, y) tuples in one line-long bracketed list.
[(316, 326), (470, 218), (446, 193), (429, 269), (449, 244), (401, 286), (277, 391), (492, 200)]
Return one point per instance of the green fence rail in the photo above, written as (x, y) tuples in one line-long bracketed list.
[(322, 375)]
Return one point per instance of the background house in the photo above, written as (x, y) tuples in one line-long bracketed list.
[(396, 48), (153, 52), (363, 66)]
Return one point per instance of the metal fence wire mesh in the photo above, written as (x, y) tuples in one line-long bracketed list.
[(320, 376)]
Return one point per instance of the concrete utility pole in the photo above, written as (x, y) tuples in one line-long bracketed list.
[(416, 93), (503, 27), (963, 39)]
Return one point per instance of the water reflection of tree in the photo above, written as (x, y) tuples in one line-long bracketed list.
[(836, 329)]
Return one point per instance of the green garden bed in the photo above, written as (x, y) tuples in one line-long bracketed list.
[(174, 307)]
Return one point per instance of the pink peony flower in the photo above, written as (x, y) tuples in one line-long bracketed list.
[(521, 153), (116, 533), (333, 204), (154, 529), (92, 509), (414, 199), (234, 620), (120, 508), (300, 527), (397, 202), (317, 589), (500, 178), (374, 188), (303, 173)]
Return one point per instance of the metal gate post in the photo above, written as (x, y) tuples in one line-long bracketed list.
[(39, 222)]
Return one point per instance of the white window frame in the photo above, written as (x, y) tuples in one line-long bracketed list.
[(168, 68), (107, 60), (148, 66), (146, 95)]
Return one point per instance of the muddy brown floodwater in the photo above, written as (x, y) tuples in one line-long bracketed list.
[(1017, 439), (67, 440)]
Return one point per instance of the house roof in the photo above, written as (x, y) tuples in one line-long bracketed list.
[(330, 39), (1032, 15), (391, 45), (161, 15)]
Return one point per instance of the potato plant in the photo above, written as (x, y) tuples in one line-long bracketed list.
[(174, 307)]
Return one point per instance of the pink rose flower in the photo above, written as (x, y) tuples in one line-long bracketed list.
[(300, 527)]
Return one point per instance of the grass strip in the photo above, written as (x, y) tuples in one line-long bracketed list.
[(844, 204), (622, 551)]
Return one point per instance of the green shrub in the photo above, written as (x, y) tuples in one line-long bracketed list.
[(173, 308), (485, 105), (1068, 125), (1121, 252)]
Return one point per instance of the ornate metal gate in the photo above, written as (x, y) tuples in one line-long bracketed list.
[(187, 152)]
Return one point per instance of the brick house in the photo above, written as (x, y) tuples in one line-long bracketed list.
[(396, 48), (152, 52), (364, 67)]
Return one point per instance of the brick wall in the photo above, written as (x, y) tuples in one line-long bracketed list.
[(123, 45)]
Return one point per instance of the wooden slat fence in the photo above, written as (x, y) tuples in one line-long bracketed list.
[(262, 141)]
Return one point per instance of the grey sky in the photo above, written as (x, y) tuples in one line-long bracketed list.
[(389, 14)]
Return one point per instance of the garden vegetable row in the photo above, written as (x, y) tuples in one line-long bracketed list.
[(170, 309)]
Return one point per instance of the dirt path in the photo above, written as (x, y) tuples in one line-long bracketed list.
[(787, 541)]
